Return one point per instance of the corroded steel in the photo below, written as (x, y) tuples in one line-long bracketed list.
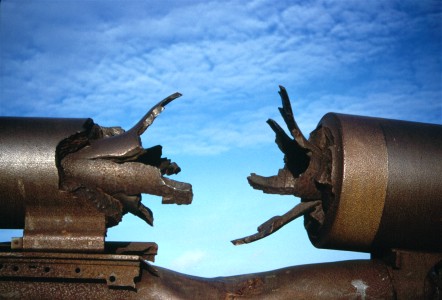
[(360, 279), (386, 185), (66, 180), (366, 184), (118, 266), (115, 270)]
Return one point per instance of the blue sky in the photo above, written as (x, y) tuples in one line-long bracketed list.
[(113, 60)]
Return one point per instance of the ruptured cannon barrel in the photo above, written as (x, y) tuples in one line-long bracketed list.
[(66, 180), (366, 184)]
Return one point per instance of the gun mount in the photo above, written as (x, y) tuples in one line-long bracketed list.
[(365, 184)]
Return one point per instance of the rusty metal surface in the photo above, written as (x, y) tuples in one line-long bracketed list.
[(357, 183), (386, 191), (119, 266), (74, 224), (344, 280), (66, 180), (399, 275), (366, 184), (414, 186), (28, 170), (145, 250), (116, 272), (415, 275), (306, 167)]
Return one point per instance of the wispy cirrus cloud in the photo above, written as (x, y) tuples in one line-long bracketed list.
[(227, 58), (188, 260)]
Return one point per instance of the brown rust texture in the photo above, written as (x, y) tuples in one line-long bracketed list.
[(65, 181), (386, 188), (396, 275), (345, 280), (366, 184)]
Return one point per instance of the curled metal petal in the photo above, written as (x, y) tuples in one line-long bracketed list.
[(114, 161), (303, 167)]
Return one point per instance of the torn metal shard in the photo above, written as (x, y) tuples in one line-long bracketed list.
[(127, 145), (150, 116), (303, 160), (275, 223), (287, 114), (133, 205), (282, 184), (129, 178), (119, 165), (304, 163)]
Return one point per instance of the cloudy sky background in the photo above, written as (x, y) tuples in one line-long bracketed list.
[(113, 60)]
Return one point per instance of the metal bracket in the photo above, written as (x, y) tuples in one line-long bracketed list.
[(118, 270)]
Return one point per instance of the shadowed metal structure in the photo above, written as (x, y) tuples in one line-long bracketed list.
[(365, 184)]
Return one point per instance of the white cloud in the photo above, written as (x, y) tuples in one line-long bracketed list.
[(227, 59), (188, 260)]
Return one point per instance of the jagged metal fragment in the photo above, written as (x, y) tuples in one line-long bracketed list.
[(275, 223), (118, 166), (302, 160), (304, 164)]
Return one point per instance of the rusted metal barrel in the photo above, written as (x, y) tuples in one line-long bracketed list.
[(366, 184), (28, 169), (386, 185), (66, 180)]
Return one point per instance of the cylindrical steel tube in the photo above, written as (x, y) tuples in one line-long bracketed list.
[(28, 164), (386, 185), (366, 184), (73, 166)]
